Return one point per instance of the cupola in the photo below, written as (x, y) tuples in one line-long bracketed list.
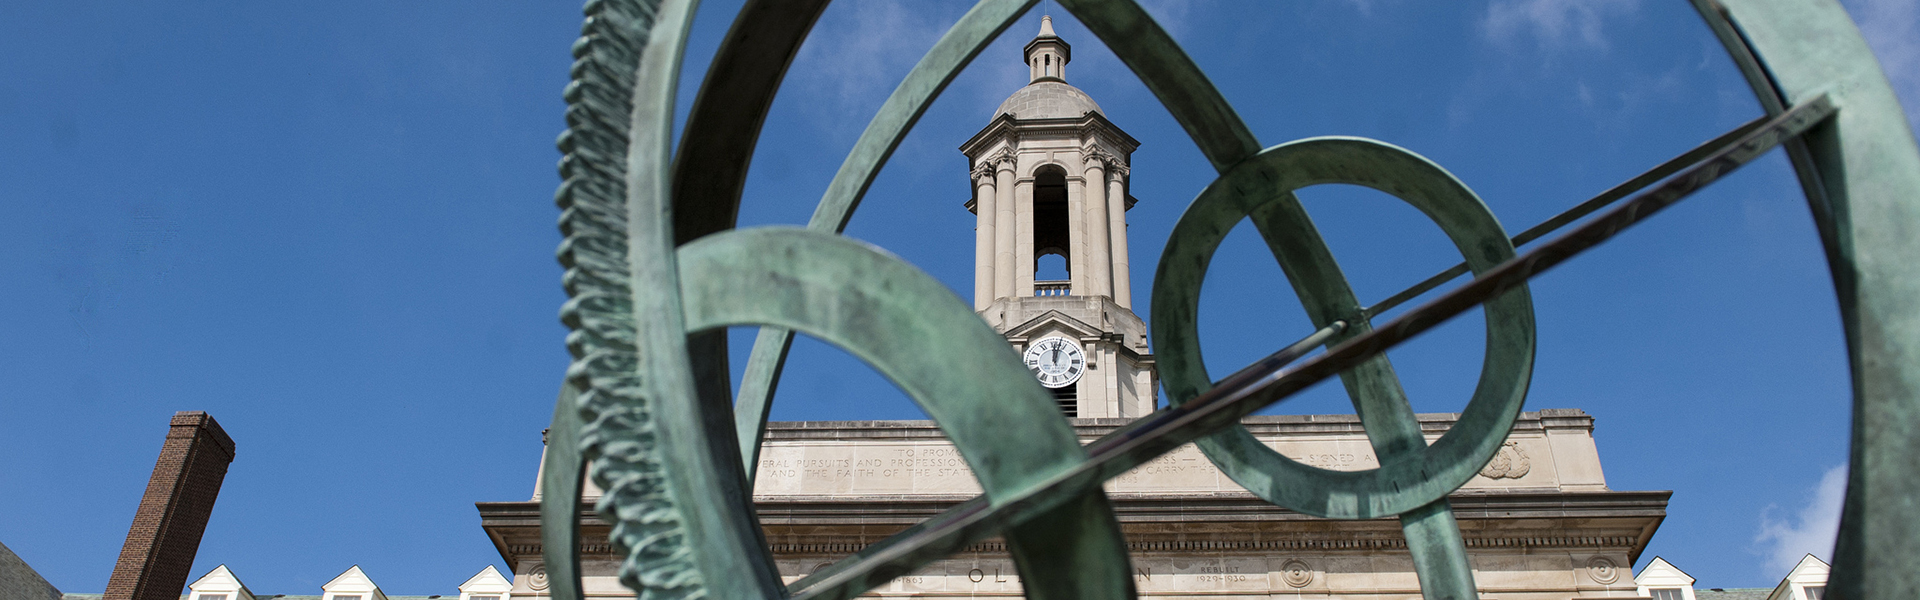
[(1047, 54)]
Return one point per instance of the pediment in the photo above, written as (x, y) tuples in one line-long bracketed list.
[(353, 582), (1053, 319), (1810, 568), (487, 581), (1660, 572), (221, 580)]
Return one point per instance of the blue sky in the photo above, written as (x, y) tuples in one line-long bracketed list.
[(330, 225)]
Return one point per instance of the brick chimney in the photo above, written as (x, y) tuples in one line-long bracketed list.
[(158, 556)]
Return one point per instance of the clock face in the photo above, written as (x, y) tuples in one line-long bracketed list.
[(1056, 361)]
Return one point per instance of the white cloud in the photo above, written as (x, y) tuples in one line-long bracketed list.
[(1809, 532), (1172, 15), (858, 52), (1553, 23), (1892, 29)]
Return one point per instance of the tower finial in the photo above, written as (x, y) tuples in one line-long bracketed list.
[(1047, 54)]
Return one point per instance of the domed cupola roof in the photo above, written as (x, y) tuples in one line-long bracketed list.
[(1047, 95), (1048, 100)]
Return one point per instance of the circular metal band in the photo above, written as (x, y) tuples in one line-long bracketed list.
[(1411, 474), (913, 330)]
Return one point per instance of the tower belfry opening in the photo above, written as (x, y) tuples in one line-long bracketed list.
[(1051, 235)]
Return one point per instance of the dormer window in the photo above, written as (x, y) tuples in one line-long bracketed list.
[(1662, 581), (1816, 592), (488, 584), (351, 585), (218, 584)]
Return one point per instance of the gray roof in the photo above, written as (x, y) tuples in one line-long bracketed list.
[(1732, 593), (452, 596), (1049, 100)]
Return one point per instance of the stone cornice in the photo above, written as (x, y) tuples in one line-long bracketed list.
[(836, 548), (1241, 522), (1563, 418), (1222, 507), (1005, 126), (1157, 523), (1212, 545)]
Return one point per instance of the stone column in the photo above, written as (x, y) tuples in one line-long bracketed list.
[(1003, 228), (1076, 236), (1117, 225), (1099, 260), (1023, 238), (983, 205)]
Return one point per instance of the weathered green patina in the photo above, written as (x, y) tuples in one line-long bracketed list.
[(892, 316), (1861, 175), (1413, 479), (654, 275)]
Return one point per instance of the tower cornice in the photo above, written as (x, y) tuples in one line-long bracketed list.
[(1006, 127)]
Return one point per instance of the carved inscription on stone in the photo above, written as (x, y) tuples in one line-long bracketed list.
[(888, 467), (1223, 573), (878, 468), (1337, 455), (1184, 468)]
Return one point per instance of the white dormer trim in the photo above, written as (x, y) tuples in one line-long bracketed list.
[(220, 584), (488, 583), (352, 583), (1811, 572), (1662, 575)]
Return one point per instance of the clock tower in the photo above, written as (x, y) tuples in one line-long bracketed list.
[(1050, 179)]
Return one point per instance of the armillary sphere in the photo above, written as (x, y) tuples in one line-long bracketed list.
[(656, 271)]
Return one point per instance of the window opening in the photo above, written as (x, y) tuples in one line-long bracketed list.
[(1667, 594), (1050, 233)]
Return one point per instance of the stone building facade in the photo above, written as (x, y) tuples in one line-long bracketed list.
[(1539, 521)]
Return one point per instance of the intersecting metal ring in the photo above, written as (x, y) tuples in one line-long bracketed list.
[(1411, 474)]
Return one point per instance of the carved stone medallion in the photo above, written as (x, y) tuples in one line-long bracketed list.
[(1602, 570), (1510, 462), (537, 578), (1296, 573)]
